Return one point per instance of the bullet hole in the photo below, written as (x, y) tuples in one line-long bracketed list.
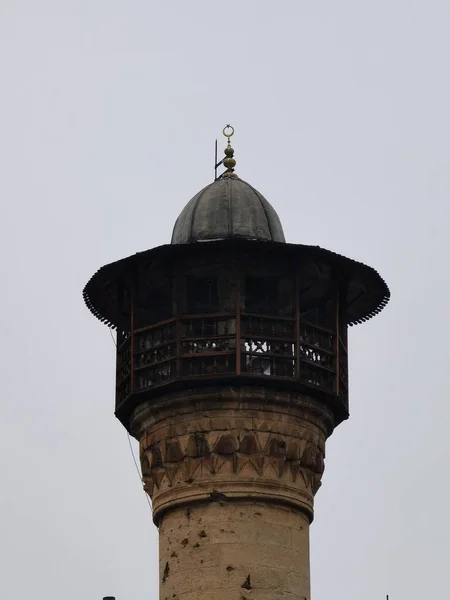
[(190, 480), (202, 534), (202, 561), (197, 545), (185, 542), (230, 568), (216, 496), (166, 572), (222, 531), (247, 585), (242, 514), (258, 514), (174, 554)]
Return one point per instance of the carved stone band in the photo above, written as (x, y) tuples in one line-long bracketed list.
[(225, 444)]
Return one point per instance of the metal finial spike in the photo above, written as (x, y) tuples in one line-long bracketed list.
[(229, 162)]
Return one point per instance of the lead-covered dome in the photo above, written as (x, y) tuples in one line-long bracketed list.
[(227, 208)]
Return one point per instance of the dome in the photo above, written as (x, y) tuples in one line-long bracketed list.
[(227, 208)]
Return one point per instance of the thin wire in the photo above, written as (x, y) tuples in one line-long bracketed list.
[(138, 471), (131, 447), (112, 337)]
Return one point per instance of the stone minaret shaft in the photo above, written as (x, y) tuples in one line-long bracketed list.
[(232, 371), (232, 475)]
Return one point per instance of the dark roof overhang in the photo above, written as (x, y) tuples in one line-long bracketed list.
[(367, 292)]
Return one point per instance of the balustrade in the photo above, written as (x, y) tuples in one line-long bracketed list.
[(317, 357), (226, 344), (268, 346), (154, 356)]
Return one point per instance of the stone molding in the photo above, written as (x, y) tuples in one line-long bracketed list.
[(221, 445)]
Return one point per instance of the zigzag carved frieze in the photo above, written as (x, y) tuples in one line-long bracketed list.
[(204, 456)]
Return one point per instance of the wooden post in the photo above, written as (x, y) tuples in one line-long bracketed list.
[(238, 324), (297, 325), (132, 341), (337, 335)]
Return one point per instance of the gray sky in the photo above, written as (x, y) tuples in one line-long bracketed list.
[(109, 111)]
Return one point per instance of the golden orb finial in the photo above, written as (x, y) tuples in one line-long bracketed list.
[(229, 162)]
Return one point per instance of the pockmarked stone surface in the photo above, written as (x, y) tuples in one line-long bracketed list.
[(232, 475), (234, 551)]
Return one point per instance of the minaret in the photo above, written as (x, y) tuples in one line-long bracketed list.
[(231, 374)]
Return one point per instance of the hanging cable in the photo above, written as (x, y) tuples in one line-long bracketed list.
[(131, 446), (137, 470), (112, 337)]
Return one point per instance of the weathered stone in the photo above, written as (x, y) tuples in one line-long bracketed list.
[(232, 484), (239, 546)]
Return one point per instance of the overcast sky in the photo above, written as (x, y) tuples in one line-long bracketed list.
[(109, 111)]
